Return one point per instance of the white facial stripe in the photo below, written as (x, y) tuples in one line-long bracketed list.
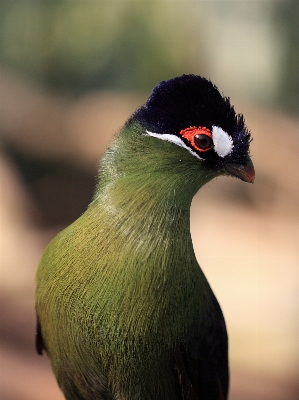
[(223, 143), (173, 139)]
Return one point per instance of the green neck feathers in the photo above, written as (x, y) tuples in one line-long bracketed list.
[(143, 202), (142, 168)]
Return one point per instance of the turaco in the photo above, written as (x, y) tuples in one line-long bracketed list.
[(123, 309)]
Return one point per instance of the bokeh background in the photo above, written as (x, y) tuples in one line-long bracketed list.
[(71, 73)]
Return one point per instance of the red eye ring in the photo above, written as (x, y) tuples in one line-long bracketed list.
[(192, 132)]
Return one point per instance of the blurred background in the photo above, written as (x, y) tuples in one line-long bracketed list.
[(71, 74)]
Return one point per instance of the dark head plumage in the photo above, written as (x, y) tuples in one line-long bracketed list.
[(192, 101)]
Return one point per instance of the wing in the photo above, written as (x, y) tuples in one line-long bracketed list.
[(39, 341), (75, 383), (202, 360)]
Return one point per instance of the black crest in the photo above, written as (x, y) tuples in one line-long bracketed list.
[(191, 100)]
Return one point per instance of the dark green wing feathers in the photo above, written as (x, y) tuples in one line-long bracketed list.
[(202, 362)]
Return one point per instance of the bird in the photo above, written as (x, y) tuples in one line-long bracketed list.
[(124, 310)]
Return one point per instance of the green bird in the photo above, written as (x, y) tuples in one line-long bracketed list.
[(123, 309)]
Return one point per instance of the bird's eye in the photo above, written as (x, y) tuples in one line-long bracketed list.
[(200, 137), (203, 142)]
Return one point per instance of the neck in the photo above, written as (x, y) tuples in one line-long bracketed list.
[(139, 164), (143, 201), (147, 185)]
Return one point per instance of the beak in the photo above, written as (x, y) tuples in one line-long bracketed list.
[(244, 172)]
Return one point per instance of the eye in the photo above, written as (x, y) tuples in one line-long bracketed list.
[(203, 142), (198, 137)]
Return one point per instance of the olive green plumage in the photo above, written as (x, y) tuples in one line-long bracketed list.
[(121, 301)]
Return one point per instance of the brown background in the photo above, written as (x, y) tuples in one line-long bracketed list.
[(245, 236)]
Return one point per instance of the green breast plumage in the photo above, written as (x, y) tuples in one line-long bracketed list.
[(125, 273)]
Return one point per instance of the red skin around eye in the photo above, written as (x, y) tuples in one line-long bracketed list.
[(189, 134)]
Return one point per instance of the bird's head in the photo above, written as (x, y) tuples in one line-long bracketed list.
[(189, 112)]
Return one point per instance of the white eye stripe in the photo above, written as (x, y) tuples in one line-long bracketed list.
[(223, 143), (173, 139)]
